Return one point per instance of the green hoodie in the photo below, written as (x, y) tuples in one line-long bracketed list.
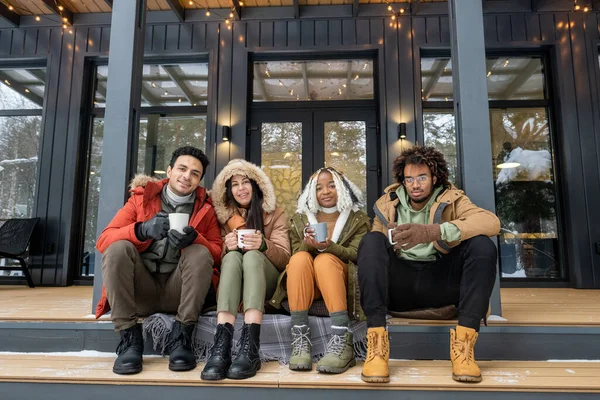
[(406, 215)]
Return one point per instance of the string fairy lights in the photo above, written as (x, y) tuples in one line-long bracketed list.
[(64, 21), (578, 7)]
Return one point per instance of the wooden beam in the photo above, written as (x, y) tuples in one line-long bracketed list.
[(236, 9), (261, 83), (355, 8), (296, 9), (177, 8), (437, 73), (22, 90), (523, 75), (305, 80), (175, 77), (9, 16), (58, 8)]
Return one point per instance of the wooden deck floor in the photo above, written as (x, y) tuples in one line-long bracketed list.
[(405, 375), (534, 307)]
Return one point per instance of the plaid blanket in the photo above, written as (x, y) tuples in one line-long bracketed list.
[(275, 335)]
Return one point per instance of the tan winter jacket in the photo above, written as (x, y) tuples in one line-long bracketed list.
[(451, 205), (275, 221)]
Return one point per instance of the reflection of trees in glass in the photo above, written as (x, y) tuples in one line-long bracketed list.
[(93, 189), (19, 149), (165, 135), (525, 194), (346, 150), (282, 161), (439, 132)]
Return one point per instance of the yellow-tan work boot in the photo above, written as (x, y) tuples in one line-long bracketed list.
[(462, 347), (375, 368)]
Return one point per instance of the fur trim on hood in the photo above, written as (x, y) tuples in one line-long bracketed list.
[(350, 196), (141, 180), (245, 168)]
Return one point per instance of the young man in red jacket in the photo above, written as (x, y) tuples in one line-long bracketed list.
[(148, 267)]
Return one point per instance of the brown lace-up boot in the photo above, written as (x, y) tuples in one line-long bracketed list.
[(462, 347), (375, 368)]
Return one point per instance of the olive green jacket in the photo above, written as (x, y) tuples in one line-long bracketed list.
[(346, 248)]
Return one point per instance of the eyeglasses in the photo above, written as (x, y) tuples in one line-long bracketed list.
[(420, 179)]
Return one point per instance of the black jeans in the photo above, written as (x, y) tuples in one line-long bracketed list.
[(465, 277)]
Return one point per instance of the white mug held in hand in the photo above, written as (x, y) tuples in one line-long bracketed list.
[(240, 235), (178, 221), (320, 230), (390, 233)]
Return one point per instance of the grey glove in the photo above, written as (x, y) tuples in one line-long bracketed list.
[(182, 240), (155, 228)]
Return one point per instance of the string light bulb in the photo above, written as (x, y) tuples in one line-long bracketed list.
[(402, 10), (393, 17), (37, 18), (191, 3), (227, 21), (241, 3), (230, 15), (577, 7), (61, 8), (65, 26), (208, 13), (11, 8), (585, 9), (389, 8)]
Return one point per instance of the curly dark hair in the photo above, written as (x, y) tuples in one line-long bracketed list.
[(190, 151), (425, 155)]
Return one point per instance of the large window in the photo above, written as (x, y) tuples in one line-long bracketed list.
[(174, 97), (21, 105), (522, 156)]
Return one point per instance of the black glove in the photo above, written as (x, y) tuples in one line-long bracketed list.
[(182, 240), (155, 228)]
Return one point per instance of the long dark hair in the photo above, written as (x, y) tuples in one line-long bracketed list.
[(254, 218)]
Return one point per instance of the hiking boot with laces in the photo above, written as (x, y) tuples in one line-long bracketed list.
[(462, 349), (181, 357), (339, 355), (129, 351), (247, 362), (300, 360), (220, 354), (375, 369)]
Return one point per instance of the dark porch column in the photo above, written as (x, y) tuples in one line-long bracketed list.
[(472, 109), (121, 121)]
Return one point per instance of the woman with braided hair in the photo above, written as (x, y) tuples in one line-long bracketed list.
[(319, 269)]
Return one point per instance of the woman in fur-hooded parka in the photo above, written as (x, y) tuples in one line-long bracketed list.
[(257, 249), (320, 269)]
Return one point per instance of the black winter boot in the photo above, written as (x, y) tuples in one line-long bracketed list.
[(247, 361), (181, 357), (220, 354), (129, 351)]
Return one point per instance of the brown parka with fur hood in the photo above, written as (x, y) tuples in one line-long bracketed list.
[(275, 221)]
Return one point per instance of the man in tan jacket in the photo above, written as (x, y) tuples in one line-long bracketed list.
[(429, 247)]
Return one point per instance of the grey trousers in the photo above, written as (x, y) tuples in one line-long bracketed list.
[(134, 292), (250, 276)]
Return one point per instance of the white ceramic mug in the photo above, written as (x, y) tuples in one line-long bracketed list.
[(178, 221), (240, 234), (320, 231), (390, 232)]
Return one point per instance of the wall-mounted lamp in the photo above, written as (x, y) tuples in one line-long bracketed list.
[(226, 133), (402, 130)]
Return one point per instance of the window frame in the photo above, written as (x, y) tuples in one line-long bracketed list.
[(549, 104)]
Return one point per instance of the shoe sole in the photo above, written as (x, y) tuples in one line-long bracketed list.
[(212, 377), (375, 379), (242, 376), (333, 370), (184, 367), (301, 367), (467, 378), (127, 371)]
